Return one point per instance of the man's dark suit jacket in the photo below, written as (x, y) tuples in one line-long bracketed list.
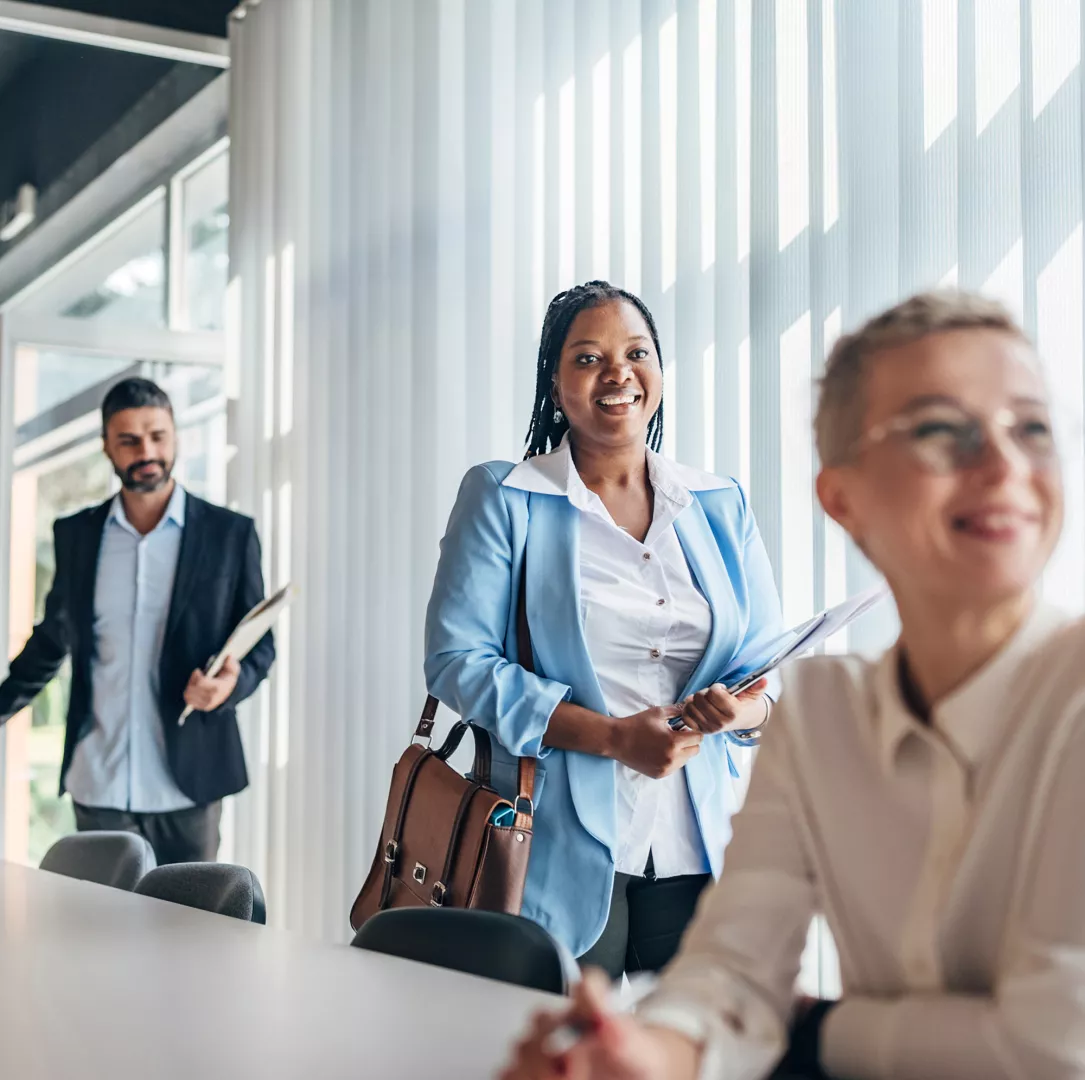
[(218, 580)]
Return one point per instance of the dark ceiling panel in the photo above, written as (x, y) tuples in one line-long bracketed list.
[(16, 51), (58, 99), (61, 103), (195, 16)]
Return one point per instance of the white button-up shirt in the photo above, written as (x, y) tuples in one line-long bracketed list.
[(947, 858), (120, 764), (646, 625)]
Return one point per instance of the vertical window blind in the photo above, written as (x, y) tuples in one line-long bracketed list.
[(412, 182)]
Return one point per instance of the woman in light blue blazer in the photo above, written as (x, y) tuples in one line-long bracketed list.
[(647, 585)]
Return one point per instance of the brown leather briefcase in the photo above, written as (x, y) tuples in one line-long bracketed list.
[(446, 841)]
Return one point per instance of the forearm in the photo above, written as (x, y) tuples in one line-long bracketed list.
[(704, 1042), (573, 727), (248, 680), (507, 700), (254, 669), (732, 984), (30, 672), (13, 698), (684, 1055), (749, 734), (41, 657), (952, 1036)]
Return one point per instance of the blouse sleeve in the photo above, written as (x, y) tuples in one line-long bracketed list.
[(731, 986)]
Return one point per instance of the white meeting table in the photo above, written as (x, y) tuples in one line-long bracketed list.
[(99, 984)]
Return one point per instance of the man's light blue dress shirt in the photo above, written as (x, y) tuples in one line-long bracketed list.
[(120, 763)]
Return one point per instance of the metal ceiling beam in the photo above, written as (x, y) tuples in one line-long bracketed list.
[(118, 34), (85, 336)]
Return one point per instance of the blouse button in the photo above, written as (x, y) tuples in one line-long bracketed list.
[(647, 556), (660, 602), (655, 654)]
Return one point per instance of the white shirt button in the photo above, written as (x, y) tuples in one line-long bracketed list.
[(647, 556), (655, 654), (660, 602)]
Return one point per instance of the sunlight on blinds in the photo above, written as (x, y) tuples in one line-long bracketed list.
[(421, 177), (939, 68), (998, 57)]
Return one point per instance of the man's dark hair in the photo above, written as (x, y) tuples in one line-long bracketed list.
[(545, 432), (133, 394)]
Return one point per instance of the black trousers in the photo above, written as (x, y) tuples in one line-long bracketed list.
[(177, 836), (648, 917)]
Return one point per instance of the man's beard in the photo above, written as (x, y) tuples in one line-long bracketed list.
[(132, 482)]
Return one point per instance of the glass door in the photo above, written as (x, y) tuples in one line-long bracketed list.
[(145, 295), (59, 468)]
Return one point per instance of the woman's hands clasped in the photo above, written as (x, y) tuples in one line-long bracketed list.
[(647, 743), (612, 1046)]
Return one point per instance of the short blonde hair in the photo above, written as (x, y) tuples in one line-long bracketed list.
[(838, 424)]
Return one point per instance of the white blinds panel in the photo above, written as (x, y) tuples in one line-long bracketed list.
[(411, 182)]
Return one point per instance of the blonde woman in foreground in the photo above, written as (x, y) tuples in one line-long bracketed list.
[(929, 804)]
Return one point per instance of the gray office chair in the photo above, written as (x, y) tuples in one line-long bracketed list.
[(507, 948), (118, 859), (217, 887)]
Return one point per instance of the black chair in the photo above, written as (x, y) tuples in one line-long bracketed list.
[(217, 887), (117, 859), (507, 948)]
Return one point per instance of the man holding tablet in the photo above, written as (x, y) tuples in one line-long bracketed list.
[(148, 585)]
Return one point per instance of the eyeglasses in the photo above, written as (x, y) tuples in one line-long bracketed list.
[(945, 439)]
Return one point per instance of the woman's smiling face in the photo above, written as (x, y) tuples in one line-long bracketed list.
[(973, 519), (608, 380)]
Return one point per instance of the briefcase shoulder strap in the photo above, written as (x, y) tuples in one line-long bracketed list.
[(391, 846), (429, 715), (525, 652), (525, 798)]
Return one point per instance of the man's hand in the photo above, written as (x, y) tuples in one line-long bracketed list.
[(714, 709), (646, 742), (205, 694)]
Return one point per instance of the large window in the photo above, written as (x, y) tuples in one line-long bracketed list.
[(47, 379), (36, 816), (118, 280), (143, 297), (206, 229)]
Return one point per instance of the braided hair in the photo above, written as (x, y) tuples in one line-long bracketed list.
[(545, 432)]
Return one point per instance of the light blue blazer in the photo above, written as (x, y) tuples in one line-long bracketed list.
[(503, 511)]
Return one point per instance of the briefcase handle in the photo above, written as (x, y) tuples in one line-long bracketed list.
[(525, 798)]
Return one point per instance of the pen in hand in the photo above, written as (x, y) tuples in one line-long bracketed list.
[(563, 1039)]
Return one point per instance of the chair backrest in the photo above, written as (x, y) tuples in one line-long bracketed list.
[(507, 948), (218, 887), (119, 859)]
